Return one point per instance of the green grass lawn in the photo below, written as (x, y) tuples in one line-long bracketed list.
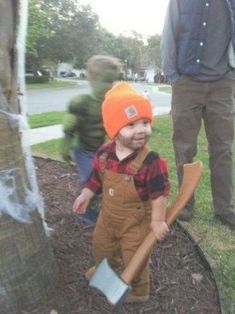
[(216, 240), (49, 149), (45, 119), (52, 84), (164, 89)]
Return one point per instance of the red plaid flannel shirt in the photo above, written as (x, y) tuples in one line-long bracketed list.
[(151, 181)]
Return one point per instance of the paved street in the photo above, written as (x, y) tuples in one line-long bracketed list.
[(47, 100), (161, 101)]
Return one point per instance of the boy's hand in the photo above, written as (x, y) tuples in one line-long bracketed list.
[(82, 201), (80, 204), (159, 228)]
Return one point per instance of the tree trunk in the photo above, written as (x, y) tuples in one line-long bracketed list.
[(27, 268)]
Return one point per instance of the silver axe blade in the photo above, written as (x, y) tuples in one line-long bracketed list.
[(109, 283)]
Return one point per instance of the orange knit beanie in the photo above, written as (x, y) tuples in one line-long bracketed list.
[(123, 105)]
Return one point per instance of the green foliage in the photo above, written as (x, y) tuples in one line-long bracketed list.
[(73, 29), (38, 32), (37, 79), (130, 49), (153, 51), (65, 31)]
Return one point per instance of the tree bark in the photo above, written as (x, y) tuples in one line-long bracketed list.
[(27, 267)]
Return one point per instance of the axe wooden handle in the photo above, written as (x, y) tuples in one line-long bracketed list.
[(191, 177)]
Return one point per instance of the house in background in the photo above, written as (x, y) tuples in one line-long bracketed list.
[(150, 74)]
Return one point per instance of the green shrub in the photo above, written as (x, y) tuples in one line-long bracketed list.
[(36, 79)]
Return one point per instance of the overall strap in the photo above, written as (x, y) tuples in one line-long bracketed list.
[(102, 160), (136, 164)]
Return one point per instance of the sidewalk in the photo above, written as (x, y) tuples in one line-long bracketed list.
[(44, 134)]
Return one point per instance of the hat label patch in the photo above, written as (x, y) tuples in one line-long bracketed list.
[(111, 192), (131, 111)]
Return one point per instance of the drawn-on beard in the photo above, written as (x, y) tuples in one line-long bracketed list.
[(134, 142)]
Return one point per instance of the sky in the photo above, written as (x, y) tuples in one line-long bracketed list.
[(122, 16)]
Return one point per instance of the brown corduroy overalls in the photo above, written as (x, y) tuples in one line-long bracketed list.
[(123, 222)]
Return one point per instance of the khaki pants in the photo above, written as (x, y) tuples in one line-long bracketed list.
[(213, 103)]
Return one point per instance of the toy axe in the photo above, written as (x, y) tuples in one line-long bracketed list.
[(116, 287)]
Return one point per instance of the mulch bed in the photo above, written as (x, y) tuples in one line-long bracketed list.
[(181, 282)]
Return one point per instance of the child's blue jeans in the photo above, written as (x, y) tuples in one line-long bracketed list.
[(84, 160)]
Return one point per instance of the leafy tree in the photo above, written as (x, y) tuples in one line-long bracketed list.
[(38, 32), (153, 51), (105, 42), (130, 50), (72, 33), (74, 29)]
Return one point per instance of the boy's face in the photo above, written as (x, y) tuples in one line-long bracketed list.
[(135, 135)]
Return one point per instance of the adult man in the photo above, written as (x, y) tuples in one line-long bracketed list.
[(198, 44)]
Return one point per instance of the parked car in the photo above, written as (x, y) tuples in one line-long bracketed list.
[(67, 74)]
